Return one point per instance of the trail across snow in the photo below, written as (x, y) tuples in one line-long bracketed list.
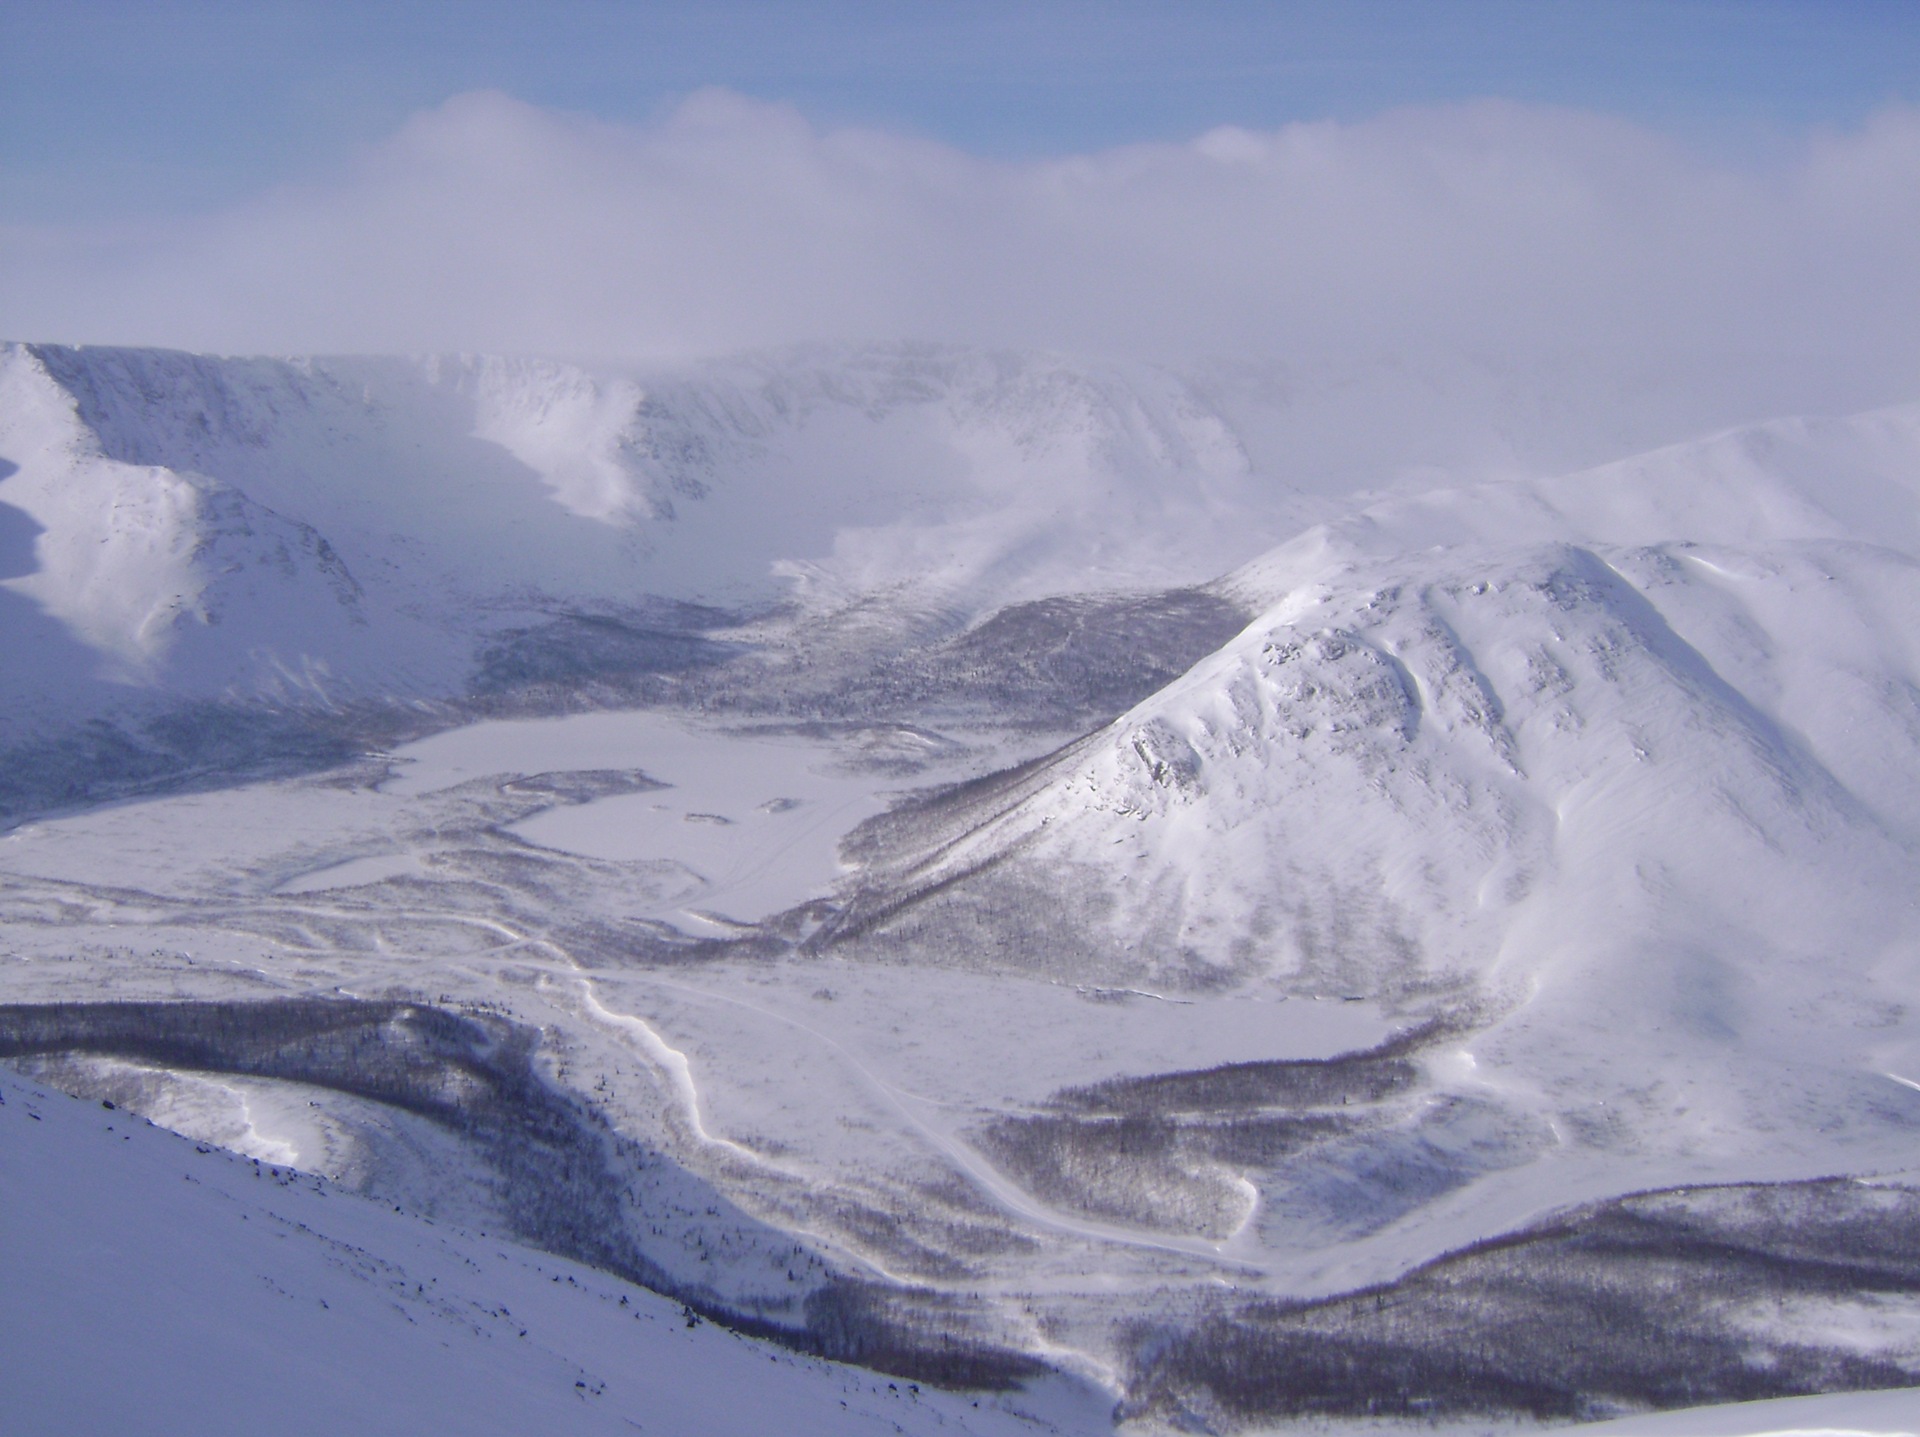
[(921, 1115)]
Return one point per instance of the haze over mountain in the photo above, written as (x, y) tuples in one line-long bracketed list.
[(1705, 291)]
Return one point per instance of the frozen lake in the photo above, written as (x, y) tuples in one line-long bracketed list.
[(758, 818)]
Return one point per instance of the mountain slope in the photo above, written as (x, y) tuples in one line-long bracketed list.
[(155, 1288), (182, 527), (1605, 784), (342, 528)]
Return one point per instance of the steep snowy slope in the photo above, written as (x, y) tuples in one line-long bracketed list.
[(1612, 782)]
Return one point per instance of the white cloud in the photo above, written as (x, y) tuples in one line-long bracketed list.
[(1522, 236)]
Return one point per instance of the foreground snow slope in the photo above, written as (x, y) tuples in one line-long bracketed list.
[(152, 1287)]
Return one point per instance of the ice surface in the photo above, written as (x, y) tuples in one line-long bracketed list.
[(354, 872), (758, 818)]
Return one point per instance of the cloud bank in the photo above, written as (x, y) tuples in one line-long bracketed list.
[(1518, 235)]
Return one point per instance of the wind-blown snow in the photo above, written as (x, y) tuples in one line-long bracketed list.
[(324, 530), (317, 531), (1707, 291)]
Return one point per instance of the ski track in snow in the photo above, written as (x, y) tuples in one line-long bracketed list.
[(669, 1060)]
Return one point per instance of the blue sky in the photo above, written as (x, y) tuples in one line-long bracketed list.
[(113, 108), (1714, 200)]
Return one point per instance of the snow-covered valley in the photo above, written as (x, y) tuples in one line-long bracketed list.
[(979, 866)]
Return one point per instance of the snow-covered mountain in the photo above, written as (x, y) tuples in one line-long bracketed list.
[(1615, 778), (1488, 887), (178, 527), (337, 529)]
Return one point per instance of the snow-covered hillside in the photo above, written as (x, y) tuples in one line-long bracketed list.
[(1515, 921), (306, 532), (154, 1287), (324, 530), (1614, 777)]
